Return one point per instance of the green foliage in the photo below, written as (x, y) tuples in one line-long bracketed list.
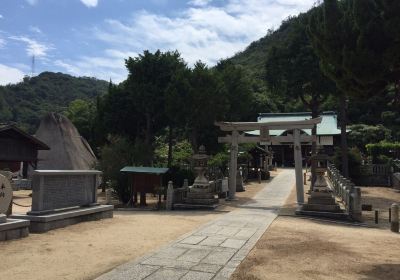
[(355, 160), (181, 152), (383, 150), (289, 54), (113, 157), (360, 135), (358, 43), (26, 102), (82, 114)]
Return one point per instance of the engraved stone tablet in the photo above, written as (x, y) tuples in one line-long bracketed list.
[(5, 194)]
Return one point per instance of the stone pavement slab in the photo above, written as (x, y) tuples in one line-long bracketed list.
[(214, 250)]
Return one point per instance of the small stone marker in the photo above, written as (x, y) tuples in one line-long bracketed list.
[(394, 224), (170, 196), (5, 194)]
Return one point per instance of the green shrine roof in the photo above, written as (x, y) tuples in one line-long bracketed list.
[(328, 125), (149, 170)]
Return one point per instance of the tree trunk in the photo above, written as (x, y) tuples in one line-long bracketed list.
[(170, 133), (314, 114), (195, 147), (343, 136)]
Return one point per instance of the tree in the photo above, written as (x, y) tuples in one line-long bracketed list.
[(358, 42), (136, 107), (292, 70), (206, 103), (81, 113)]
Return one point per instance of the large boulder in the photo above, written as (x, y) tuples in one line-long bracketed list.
[(68, 149)]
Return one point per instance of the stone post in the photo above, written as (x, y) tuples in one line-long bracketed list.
[(185, 183), (233, 165), (298, 167), (108, 196), (394, 224), (355, 206), (170, 196)]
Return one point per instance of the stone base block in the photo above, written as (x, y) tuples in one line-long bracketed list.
[(186, 206), (205, 201), (322, 208), (322, 200), (14, 229), (200, 195), (330, 215), (44, 223)]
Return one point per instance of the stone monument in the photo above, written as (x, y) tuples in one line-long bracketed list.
[(201, 195), (64, 197), (9, 228)]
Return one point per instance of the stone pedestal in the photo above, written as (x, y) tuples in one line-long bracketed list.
[(64, 197), (321, 201), (201, 195)]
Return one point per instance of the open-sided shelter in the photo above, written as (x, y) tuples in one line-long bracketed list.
[(144, 180), (17, 146)]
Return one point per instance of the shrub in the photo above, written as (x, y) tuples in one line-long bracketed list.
[(382, 150), (355, 159)]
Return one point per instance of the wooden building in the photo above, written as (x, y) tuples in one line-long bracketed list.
[(16, 147), (328, 136)]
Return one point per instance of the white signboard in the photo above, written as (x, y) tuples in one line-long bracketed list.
[(5, 194)]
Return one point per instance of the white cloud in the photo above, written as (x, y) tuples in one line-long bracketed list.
[(202, 31), (1, 16), (205, 32), (199, 2), (34, 47), (35, 29), (32, 2), (9, 75), (2, 43), (90, 3)]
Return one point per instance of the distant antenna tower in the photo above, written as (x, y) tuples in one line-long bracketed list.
[(33, 66)]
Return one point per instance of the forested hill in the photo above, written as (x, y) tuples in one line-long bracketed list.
[(254, 57), (26, 102)]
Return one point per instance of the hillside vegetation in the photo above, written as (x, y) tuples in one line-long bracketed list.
[(26, 102)]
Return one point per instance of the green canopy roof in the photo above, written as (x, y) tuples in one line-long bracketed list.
[(149, 170)]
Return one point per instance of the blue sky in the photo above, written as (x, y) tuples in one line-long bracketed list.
[(93, 37)]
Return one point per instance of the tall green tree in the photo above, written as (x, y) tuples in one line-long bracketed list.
[(357, 42)]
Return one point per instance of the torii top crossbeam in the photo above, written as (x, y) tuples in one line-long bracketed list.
[(249, 126)]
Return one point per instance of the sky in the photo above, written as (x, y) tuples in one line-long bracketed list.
[(94, 37)]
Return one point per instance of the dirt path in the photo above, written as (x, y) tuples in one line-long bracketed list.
[(301, 248), (87, 250)]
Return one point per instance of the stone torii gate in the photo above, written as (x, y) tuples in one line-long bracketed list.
[(237, 136)]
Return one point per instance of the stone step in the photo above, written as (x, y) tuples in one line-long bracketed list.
[(184, 206), (200, 195), (322, 200), (321, 194), (321, 208), (201, 201), (331, 215)]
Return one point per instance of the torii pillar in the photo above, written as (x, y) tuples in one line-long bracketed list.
[(233, 165), (298, 166)]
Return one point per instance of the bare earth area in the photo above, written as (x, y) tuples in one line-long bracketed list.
[(87, 250), (302, 248)]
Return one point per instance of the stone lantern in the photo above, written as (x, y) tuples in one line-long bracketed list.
[(200, 166)]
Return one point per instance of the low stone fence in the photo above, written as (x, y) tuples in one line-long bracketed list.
[(346, 191), (181, 193), (374, 175), (21, 184)]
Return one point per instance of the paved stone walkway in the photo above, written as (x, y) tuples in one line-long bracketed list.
[(217, 248)]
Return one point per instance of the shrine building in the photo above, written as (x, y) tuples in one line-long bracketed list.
[(328, 136)]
